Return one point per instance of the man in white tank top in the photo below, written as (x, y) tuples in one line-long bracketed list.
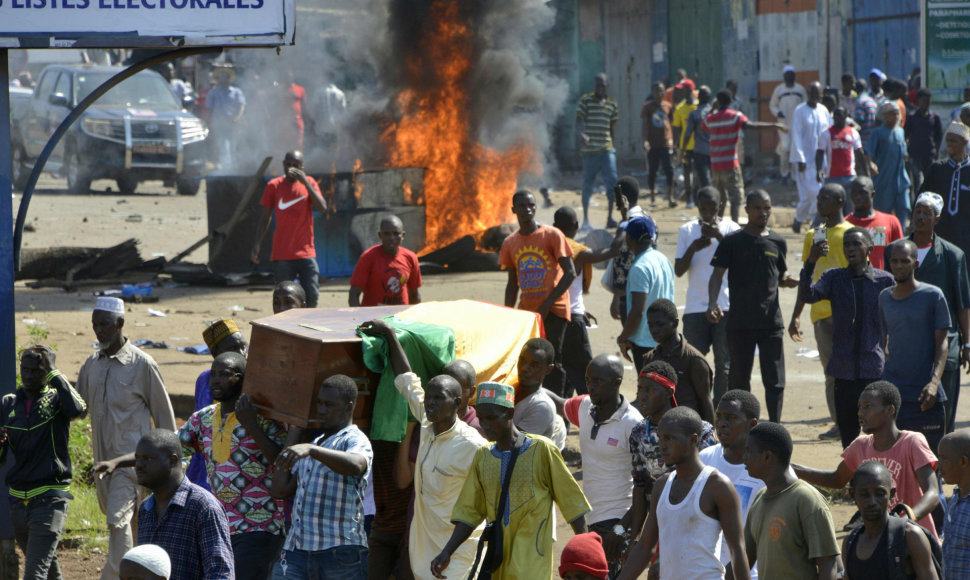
[(691, 506)]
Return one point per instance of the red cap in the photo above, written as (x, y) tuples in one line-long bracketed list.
[(584, 553), (685, 84)]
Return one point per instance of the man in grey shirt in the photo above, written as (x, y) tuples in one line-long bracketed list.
[(916, 321), (535, 411), (123, 389), (702, 139)]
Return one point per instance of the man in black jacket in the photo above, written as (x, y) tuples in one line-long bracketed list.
[(36, 423), (950, 178)]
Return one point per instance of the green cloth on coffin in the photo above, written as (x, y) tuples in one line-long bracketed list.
[(428, 347)]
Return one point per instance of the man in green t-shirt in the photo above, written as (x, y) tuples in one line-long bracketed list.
[(789, 529)]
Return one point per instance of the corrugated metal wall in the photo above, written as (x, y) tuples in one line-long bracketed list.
[(740, 62), (629, 63), (639, 41), (695, 40), (886, 36), (559, 48), (788, 33)]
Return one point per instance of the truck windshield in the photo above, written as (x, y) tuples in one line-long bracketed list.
[(141, 90)]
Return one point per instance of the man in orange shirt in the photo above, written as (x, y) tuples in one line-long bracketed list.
[(540, 266)]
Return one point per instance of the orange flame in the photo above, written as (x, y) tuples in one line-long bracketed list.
[(410, 195), (358, 188), (468, 187), (328, 189)]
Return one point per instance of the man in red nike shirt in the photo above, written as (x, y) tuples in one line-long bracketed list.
[(292, 196)]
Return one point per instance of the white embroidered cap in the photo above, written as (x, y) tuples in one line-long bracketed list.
[(960, 130), (934, 200), (152, 558), (110, 304)]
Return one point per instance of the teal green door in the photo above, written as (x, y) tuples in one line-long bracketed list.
[(695, 41)]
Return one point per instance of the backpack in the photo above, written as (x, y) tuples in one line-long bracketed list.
[(896, 547)]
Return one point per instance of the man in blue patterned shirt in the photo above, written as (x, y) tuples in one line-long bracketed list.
[(955, 468), (185, 520), (328, 478)]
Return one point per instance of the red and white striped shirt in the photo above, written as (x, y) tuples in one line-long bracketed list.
[(725, 127)]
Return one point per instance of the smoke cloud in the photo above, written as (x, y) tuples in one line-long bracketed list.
[(372, 51)]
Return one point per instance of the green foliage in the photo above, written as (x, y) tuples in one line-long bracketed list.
[(86, 528), (38, 334), (82, 453)]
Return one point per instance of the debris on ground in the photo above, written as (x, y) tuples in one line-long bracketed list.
[(462, 255), (63, 266), (146, 343)]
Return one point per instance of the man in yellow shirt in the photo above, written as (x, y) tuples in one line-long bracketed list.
[(685, 150), (835, 226), (539, 478), (445, 452)]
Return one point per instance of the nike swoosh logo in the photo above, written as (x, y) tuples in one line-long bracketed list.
[(289, 204)]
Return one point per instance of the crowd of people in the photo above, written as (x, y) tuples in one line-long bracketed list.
[(689, 479)]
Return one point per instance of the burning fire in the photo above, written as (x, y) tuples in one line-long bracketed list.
[(358, 188), (467, 186)]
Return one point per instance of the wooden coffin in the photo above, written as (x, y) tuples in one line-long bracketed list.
[(291, 353)]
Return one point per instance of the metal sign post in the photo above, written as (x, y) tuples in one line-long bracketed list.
[(8, 372)]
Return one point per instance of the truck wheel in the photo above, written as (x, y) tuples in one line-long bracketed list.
[(187, 185), (126, 184), (20, 169), (78, 175)]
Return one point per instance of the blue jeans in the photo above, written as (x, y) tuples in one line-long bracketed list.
[(703, 335), (702, 170), (306, 270), (594, 164), (340, 563)]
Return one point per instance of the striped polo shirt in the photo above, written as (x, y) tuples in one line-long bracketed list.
[(597, 117), (725, 127)]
